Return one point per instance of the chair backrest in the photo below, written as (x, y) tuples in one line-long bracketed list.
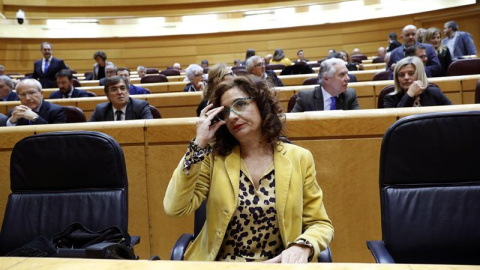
[(88, 73), (155, 113), (464, 67), (298, 68), (154, 79), (352, 77), (74, 114), (430, 188), (381, 76), (170, 72), (477, 92), (60, 178), (358, 58), (377, 60), (76, 83), (151, 71), (385, 91), (291, 103), (91, 94), (311, 81), (274, 66), (240, 71)]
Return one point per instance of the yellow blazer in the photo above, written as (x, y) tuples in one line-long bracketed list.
[(299, 205)]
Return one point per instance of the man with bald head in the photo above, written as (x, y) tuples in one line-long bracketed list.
[(409, 36), (33, 110)]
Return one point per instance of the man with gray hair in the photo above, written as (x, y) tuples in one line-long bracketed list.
[(332, 93), (6, 86), (141, 71), (2, 70), (256, 65), (33, 110), (459, 43), (45, 69), (110, 71)]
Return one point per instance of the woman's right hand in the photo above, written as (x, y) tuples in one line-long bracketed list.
[(205, 129), (415, 89)]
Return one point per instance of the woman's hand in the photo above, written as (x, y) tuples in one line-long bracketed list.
[(205, 129), (415, 89), (293, 254)]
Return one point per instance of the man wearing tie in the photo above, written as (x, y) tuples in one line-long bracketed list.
[(120, 106), (332, 93), (44, 70), (33, 110)]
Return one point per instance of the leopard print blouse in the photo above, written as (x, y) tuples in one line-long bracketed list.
[(253, 233)]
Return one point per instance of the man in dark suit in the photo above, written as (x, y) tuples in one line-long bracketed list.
[(6, 86), (110, 71), (133, 90), (44, 70), (33, 109), (332, 93), (65, 85), (409, 36), (3, 120), (120, 106), (256, 65)]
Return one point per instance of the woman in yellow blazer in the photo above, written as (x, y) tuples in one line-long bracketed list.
[(263, 199)]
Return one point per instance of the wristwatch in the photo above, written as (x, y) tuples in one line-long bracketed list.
[(34, 119), (304, 242)]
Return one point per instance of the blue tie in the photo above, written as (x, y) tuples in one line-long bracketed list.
[(45, 67), (333, 105)]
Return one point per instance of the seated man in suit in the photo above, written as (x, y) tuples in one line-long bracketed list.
[(332, 93), (6, 86), (110, 70), (120, 106), (65, 85), (256, 65), (33, 109), (133, 90), (44, 70)]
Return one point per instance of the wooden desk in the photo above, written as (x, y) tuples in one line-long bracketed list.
[(345, 146), (15, 263)]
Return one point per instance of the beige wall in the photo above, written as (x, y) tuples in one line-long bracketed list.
[(18, 55)]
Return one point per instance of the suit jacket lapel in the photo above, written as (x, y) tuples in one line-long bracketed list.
[(318, 95), (232, 166), (341, 101), (109, 112), (283, 175), (129, 113)]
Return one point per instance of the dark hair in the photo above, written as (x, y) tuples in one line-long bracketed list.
[(393, 36), (278, 55), (64, 73), (123, 69), (267, 103), (114, 80), (249, 53), (299, 51), (452, 24), (46, 43), (204, 62), (102, 55), (410, 51)]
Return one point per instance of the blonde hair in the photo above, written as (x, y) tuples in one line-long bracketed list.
[(429, 34), (419, 72), (215, 76)]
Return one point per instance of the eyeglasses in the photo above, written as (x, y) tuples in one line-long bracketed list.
[(238, 106), (198, 74), (229, 74), (261, 64)]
